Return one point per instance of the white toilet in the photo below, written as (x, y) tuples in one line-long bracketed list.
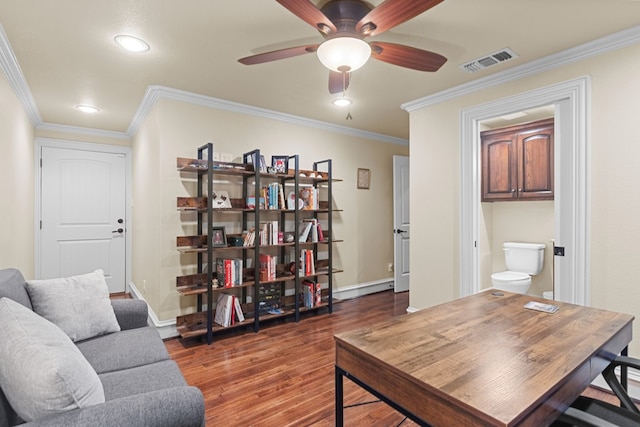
[(523, 260)]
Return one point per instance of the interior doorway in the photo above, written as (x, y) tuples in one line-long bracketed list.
[(529, 221), (571, 153), (82, 203)]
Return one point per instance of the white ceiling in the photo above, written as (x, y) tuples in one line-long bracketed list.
[(66, 51)]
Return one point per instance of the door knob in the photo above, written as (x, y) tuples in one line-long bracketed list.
[(119, 230)]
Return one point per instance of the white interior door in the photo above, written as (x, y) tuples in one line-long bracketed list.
[(83, 214), (401, 223)]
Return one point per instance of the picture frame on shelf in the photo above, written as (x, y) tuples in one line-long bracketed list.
[(364, 179), (220, 200), (280, 164), (218, 237)]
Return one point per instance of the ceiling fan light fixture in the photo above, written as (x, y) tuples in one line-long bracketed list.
[(132, 44), (342, 102), (344, 54)]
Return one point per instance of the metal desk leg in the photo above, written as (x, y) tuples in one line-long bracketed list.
[(339, 397), (623, 370)]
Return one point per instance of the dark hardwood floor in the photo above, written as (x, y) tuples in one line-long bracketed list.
[(284, 375)]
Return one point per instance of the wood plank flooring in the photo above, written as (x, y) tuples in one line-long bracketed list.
[(284, 374)]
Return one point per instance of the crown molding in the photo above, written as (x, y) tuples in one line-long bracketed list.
[(83, 131), (9, 64), (590, 49), (154, 93)]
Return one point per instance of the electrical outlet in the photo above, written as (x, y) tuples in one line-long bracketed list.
[(390, 267)]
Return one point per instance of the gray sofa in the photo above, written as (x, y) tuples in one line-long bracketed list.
[(142, 385)]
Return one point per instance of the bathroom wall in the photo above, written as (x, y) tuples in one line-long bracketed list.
[(531, 221)]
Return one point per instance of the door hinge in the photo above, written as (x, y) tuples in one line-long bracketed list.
[(41, 163), (40, 224)]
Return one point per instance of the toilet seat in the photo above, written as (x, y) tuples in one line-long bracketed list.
[(510, 277)]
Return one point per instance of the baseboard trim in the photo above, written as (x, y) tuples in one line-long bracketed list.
[(166, 328), (363, 289)]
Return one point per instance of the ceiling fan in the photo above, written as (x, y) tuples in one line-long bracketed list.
[(344, 24)]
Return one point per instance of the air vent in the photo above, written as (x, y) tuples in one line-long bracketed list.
[(490, 60)]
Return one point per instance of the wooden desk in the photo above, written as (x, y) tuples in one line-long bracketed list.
[(482, 360)]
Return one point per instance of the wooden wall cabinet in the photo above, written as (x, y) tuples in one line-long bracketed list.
[(517, 162)]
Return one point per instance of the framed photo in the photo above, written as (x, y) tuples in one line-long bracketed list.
[(220, 200), (218, 237), (280, 164), (364, 178)]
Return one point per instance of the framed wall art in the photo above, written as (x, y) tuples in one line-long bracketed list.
[(364, 178)]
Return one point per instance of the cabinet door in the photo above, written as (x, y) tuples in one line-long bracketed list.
[(535, 177), (499, 175)]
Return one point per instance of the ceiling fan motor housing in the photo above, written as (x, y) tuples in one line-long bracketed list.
[(345, 15)]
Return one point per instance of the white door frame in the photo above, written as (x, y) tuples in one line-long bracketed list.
[(81, 146), (573, 100)]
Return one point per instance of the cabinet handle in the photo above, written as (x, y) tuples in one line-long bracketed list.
[(513, 190), (519, 190)]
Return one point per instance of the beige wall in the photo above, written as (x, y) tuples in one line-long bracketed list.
[(175, 129), (16, 183), (615, 178)]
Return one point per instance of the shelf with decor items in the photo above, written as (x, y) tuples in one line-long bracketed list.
[(251, 270)]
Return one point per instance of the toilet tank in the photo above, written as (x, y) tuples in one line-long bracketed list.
[(524, 257)]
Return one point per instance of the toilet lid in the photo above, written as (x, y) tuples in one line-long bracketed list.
[(509, 276)]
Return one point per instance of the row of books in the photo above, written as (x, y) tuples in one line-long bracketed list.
[(310, 231), (311, 294), (269, 233), (271, 198), (267, 267), (228, 310), (229, 271), (310, 196), (307, 262)]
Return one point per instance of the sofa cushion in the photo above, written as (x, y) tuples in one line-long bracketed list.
[(129, 382), (123, 350), (12, 286), (42, 371), (79, 305)]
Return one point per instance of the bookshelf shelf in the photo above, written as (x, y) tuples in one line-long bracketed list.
[(272, 274)]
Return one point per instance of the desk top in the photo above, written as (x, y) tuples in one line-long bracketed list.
[(485, 359)]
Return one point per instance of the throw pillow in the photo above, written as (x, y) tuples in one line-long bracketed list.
[(79, 305), (42, 371)]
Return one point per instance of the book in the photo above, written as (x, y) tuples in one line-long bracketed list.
[(224, 310), (305, 229), (238, 310)]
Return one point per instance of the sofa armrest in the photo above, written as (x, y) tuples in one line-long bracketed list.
[(172, 407), (130, 313)]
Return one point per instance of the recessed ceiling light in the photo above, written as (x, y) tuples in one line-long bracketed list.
[(342, 102), (132, 44), (87, 109)]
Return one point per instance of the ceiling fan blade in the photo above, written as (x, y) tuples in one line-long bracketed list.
[(338, 82), (310, 14), (407, 56), (391, 13), (278, 54)]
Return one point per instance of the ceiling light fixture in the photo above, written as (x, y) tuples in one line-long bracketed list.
[(132, 44), (342, 102), (344, 54), (87, 109)]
